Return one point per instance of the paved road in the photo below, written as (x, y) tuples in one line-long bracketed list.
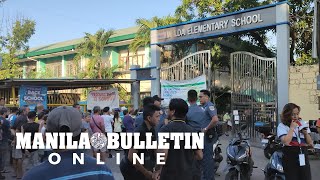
[(258, 157)]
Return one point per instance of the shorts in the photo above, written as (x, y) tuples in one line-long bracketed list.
[(16, 153)]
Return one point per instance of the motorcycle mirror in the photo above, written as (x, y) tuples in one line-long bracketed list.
[(243, 127)]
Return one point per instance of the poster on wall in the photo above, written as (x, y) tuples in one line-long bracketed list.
[(179, 89), (103, 98), (33, 95)]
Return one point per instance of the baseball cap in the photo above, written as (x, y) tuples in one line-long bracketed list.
[(157, 98), (64, 116)]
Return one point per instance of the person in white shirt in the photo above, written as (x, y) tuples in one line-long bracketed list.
[(108, 122), (108, 119)]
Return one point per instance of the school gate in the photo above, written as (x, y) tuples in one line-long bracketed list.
[(264, 17)]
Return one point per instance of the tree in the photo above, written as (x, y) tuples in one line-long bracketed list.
[(14, 42), (142, 39), (300, 17), (92, 48)]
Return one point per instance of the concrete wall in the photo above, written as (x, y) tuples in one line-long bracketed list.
[(303, 90)]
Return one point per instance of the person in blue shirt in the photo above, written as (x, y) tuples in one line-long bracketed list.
[(68, 119), (139, 119), (210, 121), (163, 116), (195, 115)]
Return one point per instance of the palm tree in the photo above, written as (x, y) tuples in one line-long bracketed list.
[(92, 48), (142, 38)]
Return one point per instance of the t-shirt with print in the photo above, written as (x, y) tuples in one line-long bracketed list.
[(96, 121), (283, 130), (108, 120)]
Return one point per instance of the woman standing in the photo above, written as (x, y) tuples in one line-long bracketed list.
[(294, 134), (117, 125)]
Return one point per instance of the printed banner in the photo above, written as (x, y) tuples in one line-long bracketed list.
[(33, 95), (179, 89), (103, 99)]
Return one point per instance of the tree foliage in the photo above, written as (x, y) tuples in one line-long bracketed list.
[(301, 13), (92, 48), (14, 42)]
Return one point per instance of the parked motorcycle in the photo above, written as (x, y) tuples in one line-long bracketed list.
[(269, 140), (239, 160), (274, 168), (217, 155)]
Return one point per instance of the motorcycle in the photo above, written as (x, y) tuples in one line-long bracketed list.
[(274, 168), (239, 158), (216, 148), (217, 155), (268, 139)]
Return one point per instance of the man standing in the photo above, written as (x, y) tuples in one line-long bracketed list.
[(179, 162), (195, 119), (163, 116), (210, 120), (32, 127), (2, 102), (4, 139), (139, 119), (130, 171), (68, 119), (195, 115), (22, 118)]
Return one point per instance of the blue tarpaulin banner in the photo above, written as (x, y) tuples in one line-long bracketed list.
[(33, 95)]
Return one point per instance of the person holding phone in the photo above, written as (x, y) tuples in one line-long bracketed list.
[(294, 134)]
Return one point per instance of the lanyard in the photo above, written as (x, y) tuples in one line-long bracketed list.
[(299, 139)]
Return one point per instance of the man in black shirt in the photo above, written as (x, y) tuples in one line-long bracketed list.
[(151, 116), (22, 118), (179, 163), (32, 127)]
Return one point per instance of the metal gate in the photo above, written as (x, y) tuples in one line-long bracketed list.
[(189, 67), (253, 81)]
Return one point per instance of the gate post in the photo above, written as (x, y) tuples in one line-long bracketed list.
[(155, 72), (135, 87), (283, 57)]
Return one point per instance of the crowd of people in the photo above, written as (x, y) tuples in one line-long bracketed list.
[(186, 164)]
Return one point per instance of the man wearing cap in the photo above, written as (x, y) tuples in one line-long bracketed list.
[(68, 119), (139, 119), (163, 116)]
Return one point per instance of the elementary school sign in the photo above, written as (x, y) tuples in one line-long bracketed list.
[(215, 26)]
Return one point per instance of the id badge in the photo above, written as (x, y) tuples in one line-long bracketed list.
[(302, 160)]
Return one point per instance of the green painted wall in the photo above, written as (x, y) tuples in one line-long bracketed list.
[(114, 56)]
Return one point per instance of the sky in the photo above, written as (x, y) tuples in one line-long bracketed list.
[(61, 20)]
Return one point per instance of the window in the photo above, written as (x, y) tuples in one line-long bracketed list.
[(54, 69), (71, 69), (127, 59)]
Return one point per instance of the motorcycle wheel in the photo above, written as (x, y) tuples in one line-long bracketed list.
[(232, 175), (267, 152)]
